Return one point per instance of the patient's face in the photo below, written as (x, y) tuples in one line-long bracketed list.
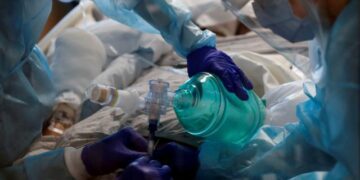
[(329, 9), (298, 8), (332, 8), (64, 114)]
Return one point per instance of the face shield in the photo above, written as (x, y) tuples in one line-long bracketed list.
[(330, 43), (274, 21)]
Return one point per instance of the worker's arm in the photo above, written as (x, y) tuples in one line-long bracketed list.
[(173, 21), (170, 18), (49, 165), (292, 157), (101, 158)]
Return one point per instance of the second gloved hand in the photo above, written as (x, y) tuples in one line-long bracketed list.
[(211, 60), (113, 152), (146, 169), (182, 160)]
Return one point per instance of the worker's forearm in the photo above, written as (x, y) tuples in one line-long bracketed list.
[(49, 165), (303, 157), (174, 23)]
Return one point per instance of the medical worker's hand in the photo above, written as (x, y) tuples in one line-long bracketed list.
[(211, 60), (113, 152), (146, 169), (182, 160)]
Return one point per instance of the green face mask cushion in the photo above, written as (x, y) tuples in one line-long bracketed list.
[(205, 108)]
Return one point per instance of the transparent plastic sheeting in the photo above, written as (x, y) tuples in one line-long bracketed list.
[(293, 52)]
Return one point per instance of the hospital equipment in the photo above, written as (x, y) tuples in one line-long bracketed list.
[(205, 108), (203, 105), (155, 103)]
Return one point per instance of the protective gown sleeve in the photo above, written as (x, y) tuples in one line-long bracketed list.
[(170, 18), (49, 165), (21, 24), (292, 157), (331, 120), (273, 153)]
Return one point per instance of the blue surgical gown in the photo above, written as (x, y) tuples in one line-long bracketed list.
[(26, 93), (324, 144), (326, 138)]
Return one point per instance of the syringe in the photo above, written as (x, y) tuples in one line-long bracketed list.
[(156, 103), (152, 130)]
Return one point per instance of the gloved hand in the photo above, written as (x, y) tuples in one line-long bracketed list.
[(146, 169), (113, 152), (182, 160), (211, 60)]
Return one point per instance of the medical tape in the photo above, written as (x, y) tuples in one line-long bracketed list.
[(115, 97)]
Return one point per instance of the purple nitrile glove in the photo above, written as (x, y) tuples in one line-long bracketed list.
[(182, 160), (211, 60), (145, 169), (113, 152)]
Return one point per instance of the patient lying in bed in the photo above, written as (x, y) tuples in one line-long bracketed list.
[(83, 57)]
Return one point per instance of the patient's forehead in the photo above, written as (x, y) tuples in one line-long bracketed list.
[(67, 109), (298, 8), (328, 9)]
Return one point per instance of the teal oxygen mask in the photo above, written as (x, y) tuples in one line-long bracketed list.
[(205, 108)]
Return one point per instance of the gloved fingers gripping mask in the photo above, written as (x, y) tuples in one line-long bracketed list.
[(275, 23), (26, 97)]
